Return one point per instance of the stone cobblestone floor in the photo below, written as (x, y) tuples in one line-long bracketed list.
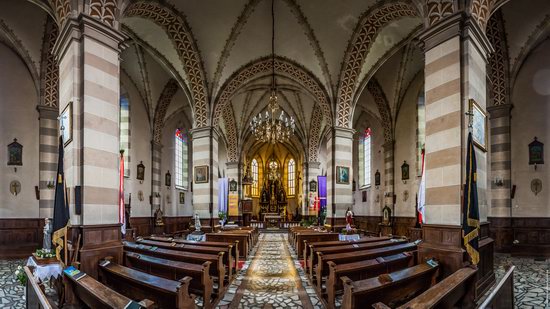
[(530, 280), (271, 278)]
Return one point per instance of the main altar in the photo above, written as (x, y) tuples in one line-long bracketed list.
[(273, 199)]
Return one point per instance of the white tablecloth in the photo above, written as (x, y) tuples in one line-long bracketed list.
[(192, 237), (351, 237), (45, 272)]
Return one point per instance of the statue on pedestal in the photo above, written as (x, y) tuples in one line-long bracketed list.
[(158, 218), (47, 242), (197, 225), (349, 219)]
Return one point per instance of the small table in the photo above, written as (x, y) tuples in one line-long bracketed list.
[(44, 269)]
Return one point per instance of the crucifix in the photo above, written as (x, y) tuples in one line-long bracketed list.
[(15, 188)]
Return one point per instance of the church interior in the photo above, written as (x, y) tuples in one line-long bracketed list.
[(274, 154)]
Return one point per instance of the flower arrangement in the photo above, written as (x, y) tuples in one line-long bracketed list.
[(350, 231), (44, 253), (21, 275), (221, 215)]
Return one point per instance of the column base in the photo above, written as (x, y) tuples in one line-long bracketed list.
[(98, 241)]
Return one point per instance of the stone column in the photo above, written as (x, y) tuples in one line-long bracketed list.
[(48, 149), (339, 195), (205, 153), (310, 171), (501, 201), (389, 174), (156, 175), (456, 52), (89, 51)]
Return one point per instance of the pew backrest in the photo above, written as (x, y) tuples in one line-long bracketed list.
[(502, 295), (36, 299)]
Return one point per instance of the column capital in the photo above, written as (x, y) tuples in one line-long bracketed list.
[(473, 32), (47, 112), (388, 145), (205, 131), (232, 164), (75, 29), (313, 164), (343, 132), (156, 145), (441, 32), (499, 111)]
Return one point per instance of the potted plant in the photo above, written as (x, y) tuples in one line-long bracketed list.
[(222, 216)]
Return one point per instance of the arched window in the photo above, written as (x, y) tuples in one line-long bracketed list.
[(291, 177), (255, 184), (124, 133), (181, 158), (420, 131), (365, 158)]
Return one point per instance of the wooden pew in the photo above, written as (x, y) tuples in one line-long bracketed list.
[(502, 296), (250, 234), (164, 292), (347, 248), (201, 283), (311, 237), (297, 229), (95, 294), (227, 257), (217, 267), (254, 230), (36, 298), (393, 288), (226, 237), (234, 245), (455, 291), (310, 245), (363, 270), (322, 270)]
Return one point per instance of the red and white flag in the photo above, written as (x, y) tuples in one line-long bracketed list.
[(422, 193), (121, 214)]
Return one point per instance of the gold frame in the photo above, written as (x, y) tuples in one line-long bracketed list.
[(206, 174), (69, 109), (473, 106)]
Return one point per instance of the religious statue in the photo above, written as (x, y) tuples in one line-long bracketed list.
[(197, 223), (47, 242), (158, 217), (349, 219)]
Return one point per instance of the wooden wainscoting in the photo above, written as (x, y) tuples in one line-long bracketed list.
[(20, 237), (172, 224), (368, 223), (142, 225), (532, 236), (444, 243), (400, 225)]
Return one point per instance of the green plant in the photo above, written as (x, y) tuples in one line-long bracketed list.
[(21, 275), (222, 215), (44, 253)]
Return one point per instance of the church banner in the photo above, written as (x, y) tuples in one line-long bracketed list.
[(233, 209)]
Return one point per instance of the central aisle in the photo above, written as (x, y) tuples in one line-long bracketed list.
[(272, 277)]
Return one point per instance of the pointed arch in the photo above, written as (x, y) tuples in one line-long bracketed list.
[(165, 98), (365, 34), (262, 66), (231, 133), (49, 68), (177, 29), (315, 134), (383, 107), (498, 61)]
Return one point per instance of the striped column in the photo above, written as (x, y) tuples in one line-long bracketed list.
[(156, 182), (88, 52), (500, 159), (339, 195), (205, 153), (48, 148), (454, 73), (389, 174)]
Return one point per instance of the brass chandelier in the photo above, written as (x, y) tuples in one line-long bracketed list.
[(268, 128)]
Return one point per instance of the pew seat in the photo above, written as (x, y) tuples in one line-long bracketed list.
[(201, 283), (164, 292), (393, 289)]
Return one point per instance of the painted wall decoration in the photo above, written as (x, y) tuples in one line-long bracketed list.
[(313, 186), (233, 185), (140, 175), (15, 153), (536, 186), (15, 187)]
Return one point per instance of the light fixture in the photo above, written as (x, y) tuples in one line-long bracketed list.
[(268, 128)]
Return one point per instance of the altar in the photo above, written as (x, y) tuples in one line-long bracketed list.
[(272, 219)]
